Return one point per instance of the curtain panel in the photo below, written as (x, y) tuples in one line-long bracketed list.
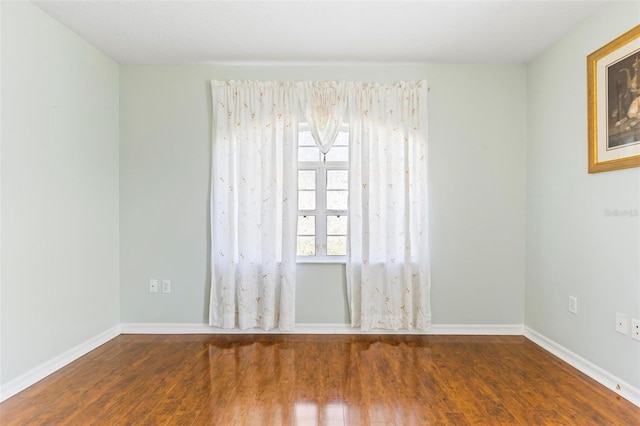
[(253, 205), (388, 271)]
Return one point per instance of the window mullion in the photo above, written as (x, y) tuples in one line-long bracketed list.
[(321, 218)]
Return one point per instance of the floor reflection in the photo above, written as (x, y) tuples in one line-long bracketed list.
[(308, 380)]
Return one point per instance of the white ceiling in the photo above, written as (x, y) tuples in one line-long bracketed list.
[(238, 31)]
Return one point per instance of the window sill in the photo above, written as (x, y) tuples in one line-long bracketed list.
[(339, 260)]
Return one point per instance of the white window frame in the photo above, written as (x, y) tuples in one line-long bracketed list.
[(321, 167)]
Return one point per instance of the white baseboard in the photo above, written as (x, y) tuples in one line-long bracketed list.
[(43, 370), (478, 329), (462, 329), (625, 390)]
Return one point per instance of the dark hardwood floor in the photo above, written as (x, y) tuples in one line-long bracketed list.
[(318, 380)]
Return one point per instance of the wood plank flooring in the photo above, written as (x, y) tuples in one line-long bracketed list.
[(318, 380)]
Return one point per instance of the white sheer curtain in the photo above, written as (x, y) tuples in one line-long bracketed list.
[(253, 205), (388, 275), (324, 104)]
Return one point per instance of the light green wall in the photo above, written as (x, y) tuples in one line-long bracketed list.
[(59, 190), (573, 249), (477, 133)]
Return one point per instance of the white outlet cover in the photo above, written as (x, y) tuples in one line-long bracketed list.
[(573, 305), (635, 329), (153, 286), (622, 323), (166, 286)]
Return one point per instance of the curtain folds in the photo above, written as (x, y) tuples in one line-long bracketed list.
[(324, 105), (253, 205), (388, 272)]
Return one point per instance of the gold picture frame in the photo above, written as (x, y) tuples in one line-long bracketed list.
[(613, 98)]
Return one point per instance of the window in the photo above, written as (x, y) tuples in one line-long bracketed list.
[(323, 194)]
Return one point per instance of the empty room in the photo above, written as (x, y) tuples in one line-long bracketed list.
[(319, 212)]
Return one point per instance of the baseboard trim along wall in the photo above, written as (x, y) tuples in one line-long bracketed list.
[(625, 390), (461, 329), (33, 376)]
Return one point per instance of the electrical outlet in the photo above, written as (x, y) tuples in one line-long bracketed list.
[(153, 286), (622, 323), (573, 305), (635, 329), (166, 286)]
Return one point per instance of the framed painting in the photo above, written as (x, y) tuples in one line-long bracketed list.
[(613, 97)]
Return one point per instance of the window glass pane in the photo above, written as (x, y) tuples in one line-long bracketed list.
[(336, 246), (337, 179), (305, 138), (337, 200), (306, 200), (306, 246), (336, 225), (307, 179), (342, 139), (308, 153), (338, 153), (306, 225)]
